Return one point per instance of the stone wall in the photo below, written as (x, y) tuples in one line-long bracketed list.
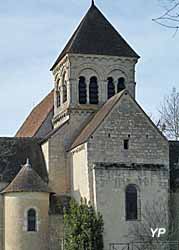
[(110, 189), (105, 187), (56, 232), (79, 173), (72, 116), (2, 185), (174, 203), (73, 66), (1, 221), (15, 216), (146, 146), (61, 75), (128, 122), (45, 151), (56, 156), (102, 67)]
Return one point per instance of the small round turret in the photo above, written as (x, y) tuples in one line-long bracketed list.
[(26, 205)]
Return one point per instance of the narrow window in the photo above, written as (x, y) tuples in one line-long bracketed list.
[(111, 87), (131, 202), (58, 96), (64, 92), (82, 90), (121, 84), (31, 220), (126, 144), (93, 90)]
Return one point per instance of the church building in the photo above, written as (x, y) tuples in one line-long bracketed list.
[(88, 138)]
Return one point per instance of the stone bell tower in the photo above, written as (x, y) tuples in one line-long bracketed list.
[(95, 64)]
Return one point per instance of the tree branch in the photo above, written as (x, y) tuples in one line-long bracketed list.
[(169, 18)]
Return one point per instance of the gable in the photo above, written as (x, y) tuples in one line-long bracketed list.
[(96, 120), (105, 111), (119, 119), (128, 122)]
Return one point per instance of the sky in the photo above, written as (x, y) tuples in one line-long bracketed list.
[(32, 34)]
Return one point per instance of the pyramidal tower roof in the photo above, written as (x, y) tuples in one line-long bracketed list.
[(27, 180), (95, 35)]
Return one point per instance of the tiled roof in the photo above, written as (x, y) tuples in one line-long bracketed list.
[(15, 151), (36, 118), (97, 119), (96, 36), (27, 180)]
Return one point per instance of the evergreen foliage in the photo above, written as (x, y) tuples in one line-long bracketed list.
[(83, 227)]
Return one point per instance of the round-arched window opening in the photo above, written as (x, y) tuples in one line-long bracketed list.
[(31, 220), (93, 90), (131, 202), (58, 98), (82, 90), (111, 87), (64, 92), (121, 84)]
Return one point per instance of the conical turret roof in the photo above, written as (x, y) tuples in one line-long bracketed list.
[(96, 36), (27, 180)]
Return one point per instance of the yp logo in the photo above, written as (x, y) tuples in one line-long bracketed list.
[(158, 232)]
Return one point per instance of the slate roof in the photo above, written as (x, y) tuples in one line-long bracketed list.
[(97, 119), (36, 118), (96, 36), (27, 180), (13, 154)]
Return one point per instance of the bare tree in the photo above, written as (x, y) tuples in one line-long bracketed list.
[(170, 17), (155, 215), (169, 115)]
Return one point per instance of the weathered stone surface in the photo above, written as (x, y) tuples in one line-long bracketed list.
[(108, 184)]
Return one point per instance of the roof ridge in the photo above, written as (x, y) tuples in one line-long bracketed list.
[(27, 180), (96, 35), (69, 43), (20, 131), (88, 130)]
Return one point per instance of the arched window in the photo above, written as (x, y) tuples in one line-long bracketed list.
[(82, 90), (93, 90), (58, 98), (131, 202), (121, 84), (111, 87), (64, 92), (31, 220)]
